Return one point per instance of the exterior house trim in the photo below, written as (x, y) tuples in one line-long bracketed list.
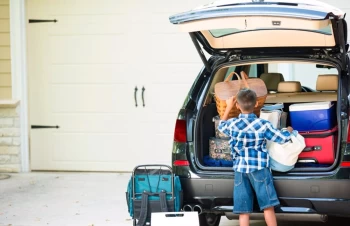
[(19, 74)]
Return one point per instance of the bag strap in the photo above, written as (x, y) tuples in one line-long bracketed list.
[(149, 184), (144, 209), (162, 200)]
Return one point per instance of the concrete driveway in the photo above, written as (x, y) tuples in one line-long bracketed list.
[(87, 199)]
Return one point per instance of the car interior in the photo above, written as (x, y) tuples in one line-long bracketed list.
[(286, 82)]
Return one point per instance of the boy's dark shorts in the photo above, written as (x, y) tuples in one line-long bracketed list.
[(259, 181)]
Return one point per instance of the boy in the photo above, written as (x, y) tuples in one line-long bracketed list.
[(248, 135)]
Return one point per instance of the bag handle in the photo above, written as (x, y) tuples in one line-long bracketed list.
[(244, 79), (231, 75)]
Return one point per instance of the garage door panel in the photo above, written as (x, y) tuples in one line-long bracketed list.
[(88, 49), (89, 25), (172, 7), (338, 3), (164, 125), (92, 123), (162, 143), (171, 51), (42, 155), (160, 24), (176, 73), (91, 98), (172, 97), (82, 7), (90, 74), (93, 147)]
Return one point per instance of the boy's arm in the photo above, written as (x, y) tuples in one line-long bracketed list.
[(224, 125), (229, 105), (276, 135)]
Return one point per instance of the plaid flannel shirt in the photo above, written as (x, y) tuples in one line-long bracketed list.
[(248, 135)]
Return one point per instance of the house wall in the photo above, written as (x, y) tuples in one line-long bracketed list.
[(5, 55), (9, 136)]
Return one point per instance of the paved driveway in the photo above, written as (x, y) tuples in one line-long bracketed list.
[(75, 199)]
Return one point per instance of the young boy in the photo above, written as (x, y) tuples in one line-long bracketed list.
[(248, 135)]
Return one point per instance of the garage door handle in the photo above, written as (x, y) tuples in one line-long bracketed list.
[(135, 96), (143, 97), (44, 127)]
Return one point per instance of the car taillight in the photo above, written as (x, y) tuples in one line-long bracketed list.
[(345, 164), (181, 163), (180, 131)]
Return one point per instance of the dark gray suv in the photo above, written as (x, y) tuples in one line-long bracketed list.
[(277, 41)]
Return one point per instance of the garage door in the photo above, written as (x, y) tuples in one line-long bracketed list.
[(89, 70)]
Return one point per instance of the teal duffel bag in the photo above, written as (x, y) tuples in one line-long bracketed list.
[(152, 188)]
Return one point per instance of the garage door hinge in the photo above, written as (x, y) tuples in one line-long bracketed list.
[(44, 127), (42, 21)]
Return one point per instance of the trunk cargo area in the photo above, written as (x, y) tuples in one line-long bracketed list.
[(321, 144)]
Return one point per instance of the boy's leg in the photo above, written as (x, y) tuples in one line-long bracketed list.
[(262, 182), (270, 216), (242, 198), (244, 219)]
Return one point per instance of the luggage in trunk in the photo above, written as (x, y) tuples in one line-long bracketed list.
[(320, 147), (220, 149), (316, 116)]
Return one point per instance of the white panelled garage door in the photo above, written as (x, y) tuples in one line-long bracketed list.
[(83, 71)]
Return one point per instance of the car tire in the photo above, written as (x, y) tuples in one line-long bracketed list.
[(339, 221), (209, 219)]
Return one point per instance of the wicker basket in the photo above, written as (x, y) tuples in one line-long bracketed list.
[(221, 107), (227, 89)]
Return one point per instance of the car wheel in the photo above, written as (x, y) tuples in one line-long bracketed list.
[(209, 219)]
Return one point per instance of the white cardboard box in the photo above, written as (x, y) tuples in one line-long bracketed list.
[(175, 219)]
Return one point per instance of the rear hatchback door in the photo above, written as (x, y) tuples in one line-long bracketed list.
[(238, 24)]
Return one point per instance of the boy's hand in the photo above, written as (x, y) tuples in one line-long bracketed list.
[(290, 129), (230, 103)]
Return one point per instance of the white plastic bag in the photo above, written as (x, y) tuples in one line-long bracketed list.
[(284, 156)]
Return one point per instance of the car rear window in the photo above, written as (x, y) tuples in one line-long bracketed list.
[(217, 33)]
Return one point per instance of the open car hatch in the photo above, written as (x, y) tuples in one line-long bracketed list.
[(241, 24)]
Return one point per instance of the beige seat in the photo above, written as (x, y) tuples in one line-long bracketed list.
[(290, 92), (289, 87), (272, 80), (327, 83)]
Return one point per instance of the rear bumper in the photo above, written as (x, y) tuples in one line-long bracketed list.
[(328, 196)]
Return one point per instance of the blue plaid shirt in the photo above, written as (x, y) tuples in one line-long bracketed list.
[(248, 135)]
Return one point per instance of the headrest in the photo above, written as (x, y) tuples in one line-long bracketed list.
[(327, 83), (271, 80), (289, 87)]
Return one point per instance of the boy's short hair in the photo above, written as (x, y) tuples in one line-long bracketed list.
[(246, 99)]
